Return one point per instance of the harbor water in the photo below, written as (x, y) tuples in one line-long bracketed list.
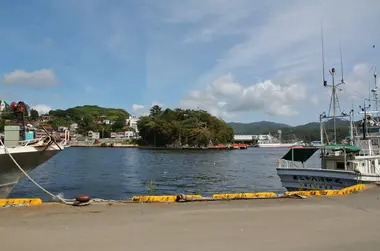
[(120, 173)]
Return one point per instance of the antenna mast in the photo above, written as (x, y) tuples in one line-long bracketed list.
[(374, 90), (334, 98), (341, 60), (323, 58)]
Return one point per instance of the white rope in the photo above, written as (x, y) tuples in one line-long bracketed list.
[(22, 170)]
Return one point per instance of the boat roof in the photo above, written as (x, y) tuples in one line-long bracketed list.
[(339, 147), (302, 154)]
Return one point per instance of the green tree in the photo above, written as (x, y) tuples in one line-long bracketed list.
[(86, 124), (155, 111), (34, 114), (178, 127), (119, 124)]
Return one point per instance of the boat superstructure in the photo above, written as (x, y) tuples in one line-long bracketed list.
[(29, 154), (341, 164)]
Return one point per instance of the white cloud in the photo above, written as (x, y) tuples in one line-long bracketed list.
[(225, 96), (358, 83), (281, 42), (314, 100), (39, 78), (157, 103), (42, 109), (142, 110), (136, 107), (213, 18), (290, 39)]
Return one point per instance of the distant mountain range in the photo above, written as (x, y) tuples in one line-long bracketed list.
[(260, 127), (307, 132)]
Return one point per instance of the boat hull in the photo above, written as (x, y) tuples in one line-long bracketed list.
[(29, 160), (279, 145), (295, 179)]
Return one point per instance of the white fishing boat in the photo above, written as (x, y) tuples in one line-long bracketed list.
[(280, 145), (341, 165), (268, 141), (28, 154)]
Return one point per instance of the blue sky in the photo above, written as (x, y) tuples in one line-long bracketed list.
[(241, 60)]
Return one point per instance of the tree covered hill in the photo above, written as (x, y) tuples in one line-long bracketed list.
[(85, 116), (260, 127), (183, 127), (96, 112)]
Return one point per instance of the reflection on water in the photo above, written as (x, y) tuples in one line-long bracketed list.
[(113, 173)]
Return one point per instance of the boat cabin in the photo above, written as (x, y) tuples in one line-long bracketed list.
[(364, 160)]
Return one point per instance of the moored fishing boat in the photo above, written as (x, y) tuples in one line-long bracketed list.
[(268, 141), (28, 154), (341, 165)]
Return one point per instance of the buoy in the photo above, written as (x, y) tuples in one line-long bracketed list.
[(83, 198)]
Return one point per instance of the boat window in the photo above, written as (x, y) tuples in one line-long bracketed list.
[(340, 165), (375, 142), (369, 167)]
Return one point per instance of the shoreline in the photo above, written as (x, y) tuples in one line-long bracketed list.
[(156, 148)]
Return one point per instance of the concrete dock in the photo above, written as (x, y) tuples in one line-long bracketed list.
[(348, 222)]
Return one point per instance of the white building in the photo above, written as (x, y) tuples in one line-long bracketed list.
[(130, 135), (132, 122), (62, 128), (74, 126), (93, 135), (108, 122), (2, 106)]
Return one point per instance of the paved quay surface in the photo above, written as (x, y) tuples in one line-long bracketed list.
[(347, 223)]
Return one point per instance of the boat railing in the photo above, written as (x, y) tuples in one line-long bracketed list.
[(26, 142), (33, 141), (368, 152), (282, 163)]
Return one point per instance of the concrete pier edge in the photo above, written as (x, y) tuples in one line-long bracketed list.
[(197, 197)]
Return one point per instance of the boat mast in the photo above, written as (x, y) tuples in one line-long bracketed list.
[(334, 99), (321, 116), (332, 72), (374, 91), (334, 102), (351, 127)]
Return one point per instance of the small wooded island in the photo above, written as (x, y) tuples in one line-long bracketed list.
[(179, 127)]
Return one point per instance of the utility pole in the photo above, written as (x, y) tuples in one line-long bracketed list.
[(364, 109)]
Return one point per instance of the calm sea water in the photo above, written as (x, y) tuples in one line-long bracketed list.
[(116, 173)]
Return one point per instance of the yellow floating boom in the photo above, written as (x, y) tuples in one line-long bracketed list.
[(162, 198), (197, 197), (20, 201), (231, 196)]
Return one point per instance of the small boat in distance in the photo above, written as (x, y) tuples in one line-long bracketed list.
[(268, 141), (239, 146)]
